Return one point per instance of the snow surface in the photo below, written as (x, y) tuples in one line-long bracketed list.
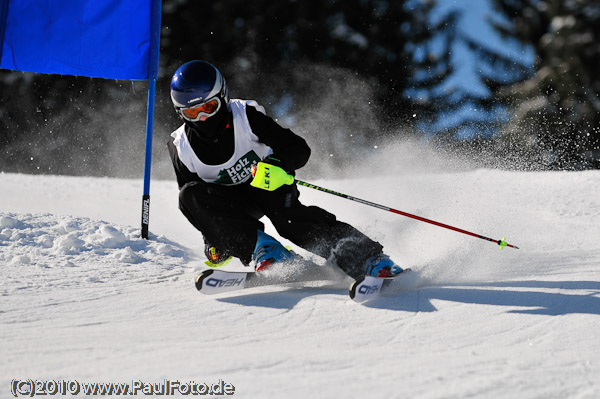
[(84, 298)]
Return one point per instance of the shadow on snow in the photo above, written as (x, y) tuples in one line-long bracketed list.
[(501, 294), (420, 300)]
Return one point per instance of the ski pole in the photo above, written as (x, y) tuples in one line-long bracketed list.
[(269, 177), (501, 242)]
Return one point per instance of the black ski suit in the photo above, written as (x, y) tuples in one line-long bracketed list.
[(228, 216)]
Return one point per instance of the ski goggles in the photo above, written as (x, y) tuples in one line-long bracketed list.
[(208, 109)]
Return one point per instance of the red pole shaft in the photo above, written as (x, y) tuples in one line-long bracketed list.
[(385, 208), (422, 219)]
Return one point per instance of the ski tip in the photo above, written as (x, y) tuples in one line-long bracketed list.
[(365, 288), (354, 286), (200, 278)]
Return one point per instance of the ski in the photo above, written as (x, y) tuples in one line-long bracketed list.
[(213, 281), (366, 288)]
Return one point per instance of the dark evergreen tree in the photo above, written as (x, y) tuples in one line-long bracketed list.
[(334, 69), (468, 113), (374, 39), (339, 68), (556, 112)]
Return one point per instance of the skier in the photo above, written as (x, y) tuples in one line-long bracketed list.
[(213, 153)]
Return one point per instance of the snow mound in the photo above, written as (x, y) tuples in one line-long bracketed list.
[(48, 244)]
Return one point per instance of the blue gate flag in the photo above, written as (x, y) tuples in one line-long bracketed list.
[(112, 39), (95, 38)]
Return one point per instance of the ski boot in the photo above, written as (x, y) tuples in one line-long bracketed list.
[(269, 251), (381, 266)]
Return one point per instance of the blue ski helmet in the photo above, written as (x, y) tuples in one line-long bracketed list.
[(197, 82), (201, 98)]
